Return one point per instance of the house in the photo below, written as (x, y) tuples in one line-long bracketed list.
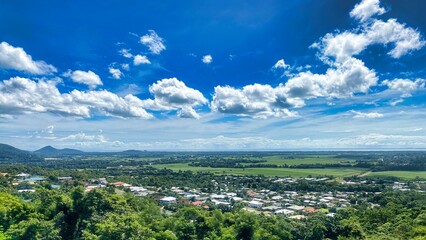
[(23, 175), (310, 210), (197, 203), (4, 174), (251, 193), (137, 189), (297, 217), (255, 204), (270, 208), (296, 208), (121, 184), (218, 196), (26, 190), (218, 202), (286, 212), (277, 197), (64, 179), (167, 200), (237, 199)]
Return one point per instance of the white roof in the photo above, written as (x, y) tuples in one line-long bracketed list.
[(284, 211), (255, 203), (168, 199), (220, 196), (295, 207)]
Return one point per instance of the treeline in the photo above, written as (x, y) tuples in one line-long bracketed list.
[(224, 163), (71, 213)]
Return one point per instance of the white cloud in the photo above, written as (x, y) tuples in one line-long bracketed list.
[(139, 59), (357, 114), (396, 102), (346, 75), (207, 59), (115, 72), (125, 66), (405, 86), (366, 9), (16, 58), (342, 46), (280, 64), (153, 42), (188, 112), (125, 53), (21, 95), (405, 39), (350, 77), (259, 101), (88, 78), (172, 94), (82, 137)]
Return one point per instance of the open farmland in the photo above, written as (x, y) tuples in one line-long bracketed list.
[(271, 172), (400, 174)]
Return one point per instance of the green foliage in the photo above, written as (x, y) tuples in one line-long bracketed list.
[(101, 214), (34, 229), (11, 154)]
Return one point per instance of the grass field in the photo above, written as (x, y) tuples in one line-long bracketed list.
[(280, 172), (320, 159), (400, 174)]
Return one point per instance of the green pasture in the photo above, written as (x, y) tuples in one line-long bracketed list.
[(270, 172), (400, 174), (320, 159)]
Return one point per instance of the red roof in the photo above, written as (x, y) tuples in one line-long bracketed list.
[(310, 210), (197, 203), (118, 183)]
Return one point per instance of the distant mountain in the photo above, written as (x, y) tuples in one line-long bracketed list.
[(12, 154), (51, 151), (131, 152)]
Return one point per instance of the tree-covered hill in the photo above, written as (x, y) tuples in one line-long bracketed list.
[(12, 154), (51, 151)]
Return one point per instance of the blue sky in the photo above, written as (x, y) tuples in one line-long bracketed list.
[(213, 75)]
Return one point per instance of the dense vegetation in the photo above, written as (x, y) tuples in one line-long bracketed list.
[(71, 213), (11, 154)]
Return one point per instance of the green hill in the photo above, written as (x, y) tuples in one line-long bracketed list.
[(12, 154), (51, 151)]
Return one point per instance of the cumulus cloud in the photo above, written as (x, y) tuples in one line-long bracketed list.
[(345, 77), (83, 137), (405, 86), (366, 9), (88, 78), (154, 42), (188, 112), (115, 72), (172, 94), (21, 95), (140, 59), (350, 77), (207, 59), (404, 39), (16, 58), (357, 114), (280, 64), (259, 101), (344, 45)]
